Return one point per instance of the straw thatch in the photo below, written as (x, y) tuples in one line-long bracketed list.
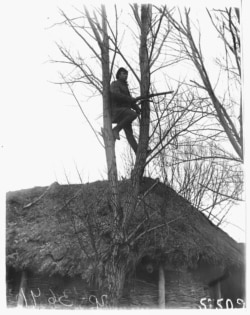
[(63, 229)]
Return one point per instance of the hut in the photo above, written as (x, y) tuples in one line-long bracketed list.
[(58, 236)]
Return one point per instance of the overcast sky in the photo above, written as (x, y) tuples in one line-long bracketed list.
[(43, 134)]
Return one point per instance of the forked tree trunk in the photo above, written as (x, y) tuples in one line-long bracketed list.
[(115, 269)]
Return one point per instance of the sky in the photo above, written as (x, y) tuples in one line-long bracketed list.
[(44, 132), (44, 137)]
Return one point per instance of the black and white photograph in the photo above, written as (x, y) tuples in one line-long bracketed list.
[(123, 137)]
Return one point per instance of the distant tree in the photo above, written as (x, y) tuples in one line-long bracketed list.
[(225, 99), (188, 155), (219, 102)]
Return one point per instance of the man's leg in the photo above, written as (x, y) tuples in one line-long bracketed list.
[(125, 117), (130, 137)]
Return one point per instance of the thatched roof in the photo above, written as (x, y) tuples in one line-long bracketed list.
[(63, 228)]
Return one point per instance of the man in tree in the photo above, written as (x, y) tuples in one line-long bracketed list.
[(124, 109)]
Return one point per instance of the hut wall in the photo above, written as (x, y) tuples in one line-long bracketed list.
[(49, 291), (183, 289), (13, 281), (228, 291), (139, 293)]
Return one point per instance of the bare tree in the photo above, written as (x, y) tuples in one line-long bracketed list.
[(228, 107), (212, 185), (102, 41), (170, 126), (188, 156)]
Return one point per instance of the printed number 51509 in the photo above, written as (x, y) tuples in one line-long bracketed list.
[(221, 303)]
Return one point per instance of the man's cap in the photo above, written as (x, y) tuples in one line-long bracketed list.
[(119, 71)]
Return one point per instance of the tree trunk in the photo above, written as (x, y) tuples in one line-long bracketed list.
[(115, 269), (138, 170), (116, 273), (161, 287), (107, 124), (146, 12)]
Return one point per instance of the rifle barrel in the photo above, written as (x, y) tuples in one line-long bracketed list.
[(156, 94)]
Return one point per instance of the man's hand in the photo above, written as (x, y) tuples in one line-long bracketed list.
[(137, 109), (134, 100), (135, 106)]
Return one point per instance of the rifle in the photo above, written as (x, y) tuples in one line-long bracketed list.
[(139, 98)]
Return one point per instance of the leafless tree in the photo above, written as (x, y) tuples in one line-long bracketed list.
[(187, 154), (102, 40), (170, 126), (191, 132), (227, 105)]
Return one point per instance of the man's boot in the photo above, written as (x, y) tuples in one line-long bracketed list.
[(116, 135)]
